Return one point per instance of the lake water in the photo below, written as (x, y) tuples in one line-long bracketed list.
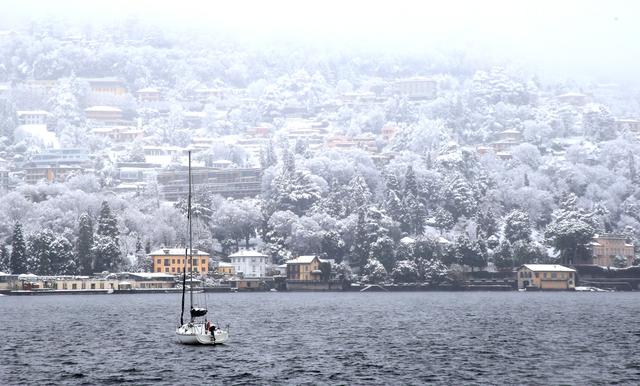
[(327, 338)]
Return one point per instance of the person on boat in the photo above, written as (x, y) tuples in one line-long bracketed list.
[(212, 329), (207, 326)]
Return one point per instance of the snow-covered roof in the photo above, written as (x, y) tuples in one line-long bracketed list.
[(103, 108), (442, 240), (571, 94), (175, 252), (548, 268), (302, 259), (32, 112), (225, 265), (151, 275), (247, 253), (407, 240)]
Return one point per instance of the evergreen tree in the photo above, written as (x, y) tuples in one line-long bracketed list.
[(392, 197), (443, 219), (517, 226), (85, 244), (147, 247), (359, 194), (50, 254), (469, 254), (570, 230), (503, 257), (107, 254), (107, 223), (18, 259), (333, 246), (4, 258), (359, 253), (410, 183), (487, 223), (106, 244)]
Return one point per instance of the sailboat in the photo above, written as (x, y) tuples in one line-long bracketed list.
[(198, 330)]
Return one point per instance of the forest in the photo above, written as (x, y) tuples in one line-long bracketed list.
[(435, 203)]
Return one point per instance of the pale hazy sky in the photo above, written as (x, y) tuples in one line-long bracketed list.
[(568, 37)]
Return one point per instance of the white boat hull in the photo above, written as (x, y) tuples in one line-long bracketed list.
[(196, 334)]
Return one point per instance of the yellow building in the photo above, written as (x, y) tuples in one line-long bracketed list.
[(607, 247), (546, 277), (171, 260), (306, 268), (226, 269)]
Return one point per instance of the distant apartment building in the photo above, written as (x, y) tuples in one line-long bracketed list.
[(235, 183), (56, 165), (194, 119), (32, 117), (573, 98), (607, 247), (40, 87), (631, 125), (388, 132), (366, 141), (119, 134), (416, 88), (172, 260), (103, 113), (148, 94), (249, 263), (108, 85)]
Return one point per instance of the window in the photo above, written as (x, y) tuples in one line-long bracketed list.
[(93, 285), (521, 274), (554, 275), (166, 262), (101, 285), (544, 275), (166, 269), (64, 285), (173, 269), (173, 261), (74, 286)]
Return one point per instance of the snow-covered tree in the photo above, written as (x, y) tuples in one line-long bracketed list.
[(405, 271), (374, 272), (517, 226), (84, 244), (18, 260)]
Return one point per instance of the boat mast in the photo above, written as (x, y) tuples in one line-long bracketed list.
[(190, 236)]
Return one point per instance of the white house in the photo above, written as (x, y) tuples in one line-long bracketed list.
[(249, 263)]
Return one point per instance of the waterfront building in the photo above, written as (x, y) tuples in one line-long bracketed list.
[(546, 277), (226, 269), (607, 247), (249, 263), (171, 260), (305, 268)]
